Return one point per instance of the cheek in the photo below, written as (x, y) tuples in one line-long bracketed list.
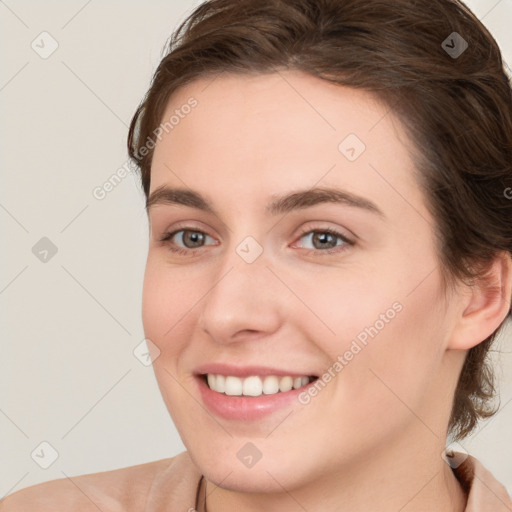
[(347, 307), (154, 299), (391, 372), (168, 297), (383, 335)]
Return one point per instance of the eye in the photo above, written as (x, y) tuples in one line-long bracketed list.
[(189, 238), (326, 240)]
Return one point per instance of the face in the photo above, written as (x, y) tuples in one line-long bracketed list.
[(301, 254)]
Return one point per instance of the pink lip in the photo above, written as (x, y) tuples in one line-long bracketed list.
[(246, 408), (245, 371)]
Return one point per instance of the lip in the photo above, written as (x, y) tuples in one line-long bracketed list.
[(247, 408), (247, 371)]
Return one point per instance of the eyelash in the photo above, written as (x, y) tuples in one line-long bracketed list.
[(337, 249)]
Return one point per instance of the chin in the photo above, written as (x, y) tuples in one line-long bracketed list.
[(265, 476)]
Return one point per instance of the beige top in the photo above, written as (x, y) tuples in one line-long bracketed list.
[(170, 485)]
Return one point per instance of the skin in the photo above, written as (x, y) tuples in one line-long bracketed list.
[(375, 433)]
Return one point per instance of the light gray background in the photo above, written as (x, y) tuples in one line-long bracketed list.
[(68, 375)]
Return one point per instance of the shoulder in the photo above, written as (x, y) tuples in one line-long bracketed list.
[(119, 490), (484, 491)]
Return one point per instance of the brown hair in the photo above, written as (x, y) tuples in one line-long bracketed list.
[(457, 110)]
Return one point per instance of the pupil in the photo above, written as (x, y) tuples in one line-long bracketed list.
[(193, 237), (323, 237)]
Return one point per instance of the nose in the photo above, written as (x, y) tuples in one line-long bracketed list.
[(243, 302)]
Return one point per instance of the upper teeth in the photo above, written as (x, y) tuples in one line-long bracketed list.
[(254, 385)]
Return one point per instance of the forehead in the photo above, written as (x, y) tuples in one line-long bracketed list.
[(286, 108), (282, 130)]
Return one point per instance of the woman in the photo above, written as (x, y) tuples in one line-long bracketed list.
[(329, 259)]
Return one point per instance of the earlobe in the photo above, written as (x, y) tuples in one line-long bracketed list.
[(485, 304)]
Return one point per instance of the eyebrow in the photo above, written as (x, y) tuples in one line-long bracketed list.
[(279, 205)]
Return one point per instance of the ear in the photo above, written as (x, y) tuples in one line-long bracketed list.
[(485, 304)]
